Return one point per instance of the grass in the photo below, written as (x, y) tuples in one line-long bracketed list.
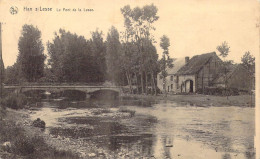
[(203, 100), (27, 146), (15, 101)]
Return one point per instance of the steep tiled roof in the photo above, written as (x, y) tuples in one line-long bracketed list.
[(195, 63)]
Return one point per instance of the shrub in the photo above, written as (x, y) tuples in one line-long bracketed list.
[(15, 101), (39, 123)]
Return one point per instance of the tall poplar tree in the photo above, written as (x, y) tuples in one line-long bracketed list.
[(31, 57)]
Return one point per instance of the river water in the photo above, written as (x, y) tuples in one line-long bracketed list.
[(161, 130)]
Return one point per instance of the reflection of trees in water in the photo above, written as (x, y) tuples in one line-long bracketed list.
[(162, 146), (167, 144)]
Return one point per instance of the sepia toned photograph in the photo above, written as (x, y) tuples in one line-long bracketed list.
[(129, 79)]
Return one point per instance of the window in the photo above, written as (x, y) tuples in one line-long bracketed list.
[(171, 78), (171, 86)]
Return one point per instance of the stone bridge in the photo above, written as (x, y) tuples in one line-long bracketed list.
[(89, 90)]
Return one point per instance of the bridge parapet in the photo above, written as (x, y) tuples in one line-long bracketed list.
[(84, 88)]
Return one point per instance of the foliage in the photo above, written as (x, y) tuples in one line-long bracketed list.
[(74, 59), (166, 61), (31, 58), (138, 30), (39, 123), (114, 56), (223, 49), (15, 101), (248, 61), (129, 57), (13, 75), (98, 48)]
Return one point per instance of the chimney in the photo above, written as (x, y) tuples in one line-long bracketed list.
[(187, 58)]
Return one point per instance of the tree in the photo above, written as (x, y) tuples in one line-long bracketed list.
[(98, 50), (248, 61), (68, 57), (114, 56), (138, 24), (31, 58), (12, 75), (166, 61), (75, 59), (224, 51), (151, 64), (129, 61)]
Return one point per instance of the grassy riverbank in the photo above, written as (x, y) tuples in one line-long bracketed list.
[(201, 100), (20, 140)]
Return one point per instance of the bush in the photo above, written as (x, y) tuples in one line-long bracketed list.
[(39, 123), (15, 101)]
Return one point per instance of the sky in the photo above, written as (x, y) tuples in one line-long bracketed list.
[(193, 26)]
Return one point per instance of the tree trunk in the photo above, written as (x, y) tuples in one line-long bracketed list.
[(146, 82), (136, 82), (142, 82), (164, 84), (129, 82), (154, 86)]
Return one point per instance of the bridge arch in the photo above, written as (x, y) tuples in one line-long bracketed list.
[(104, 94)]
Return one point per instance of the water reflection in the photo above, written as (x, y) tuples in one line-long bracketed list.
[(163, 130)]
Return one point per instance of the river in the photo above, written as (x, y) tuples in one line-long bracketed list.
[(161, 130)]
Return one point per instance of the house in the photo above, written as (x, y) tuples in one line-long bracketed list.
[(198, 73), (170, 83), (237, 77)]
